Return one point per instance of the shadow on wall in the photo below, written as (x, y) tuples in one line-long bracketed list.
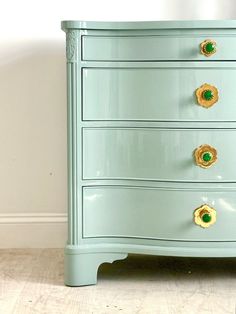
[(33, 127)]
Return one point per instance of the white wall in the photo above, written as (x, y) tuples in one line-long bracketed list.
[(33, 105)]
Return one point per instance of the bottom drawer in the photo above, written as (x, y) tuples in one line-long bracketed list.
[(157, 213)]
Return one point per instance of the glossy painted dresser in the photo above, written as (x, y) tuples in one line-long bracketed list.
[(151, 141)]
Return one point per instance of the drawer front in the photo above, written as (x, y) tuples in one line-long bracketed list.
[(157, 154), (158, 94), (157, 213), (115, 48)]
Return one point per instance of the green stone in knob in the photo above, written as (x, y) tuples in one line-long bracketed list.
[(209, 47), (207, 94), (206, 217), (207, 156)]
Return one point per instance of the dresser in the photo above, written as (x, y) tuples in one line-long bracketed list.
[(151, 141)]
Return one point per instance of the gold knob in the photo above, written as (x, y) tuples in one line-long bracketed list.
[(208, 47), (204, 216), (207, 95), (205, 156)]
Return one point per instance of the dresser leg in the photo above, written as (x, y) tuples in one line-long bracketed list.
[(81, 269)]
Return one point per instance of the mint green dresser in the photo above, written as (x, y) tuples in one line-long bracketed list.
[(151, 141)]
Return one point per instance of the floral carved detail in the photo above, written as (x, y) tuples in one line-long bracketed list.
[(71, 37)]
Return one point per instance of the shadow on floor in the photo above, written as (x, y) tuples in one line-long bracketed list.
[(161, 268)]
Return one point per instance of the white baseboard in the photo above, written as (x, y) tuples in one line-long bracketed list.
[(36, 230)]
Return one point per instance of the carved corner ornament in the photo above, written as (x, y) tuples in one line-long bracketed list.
[(71, 43)]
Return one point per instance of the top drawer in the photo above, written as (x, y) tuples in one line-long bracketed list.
[(158, 47)]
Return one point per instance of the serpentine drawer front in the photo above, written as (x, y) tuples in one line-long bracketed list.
[(162, 92), (151, 141), (162, 47), (126, 217), (157, 154)]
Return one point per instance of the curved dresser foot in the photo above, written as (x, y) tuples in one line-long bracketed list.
[(81, 269)]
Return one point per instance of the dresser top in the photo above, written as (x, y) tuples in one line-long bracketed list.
[(193, 24)]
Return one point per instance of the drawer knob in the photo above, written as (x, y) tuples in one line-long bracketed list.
[(207, 95), (205, 156), (204, 216), (208, 47)]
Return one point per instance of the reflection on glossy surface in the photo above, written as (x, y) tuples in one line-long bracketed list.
[(227, 206), (93, 197)]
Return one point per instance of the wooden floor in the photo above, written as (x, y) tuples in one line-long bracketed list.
[(31, 281)]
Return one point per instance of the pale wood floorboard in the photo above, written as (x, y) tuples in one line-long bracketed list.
[(31, 281)]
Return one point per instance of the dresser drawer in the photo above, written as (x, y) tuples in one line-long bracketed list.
[(157, 213), (136, 48), (157, 154), (164, 92)]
